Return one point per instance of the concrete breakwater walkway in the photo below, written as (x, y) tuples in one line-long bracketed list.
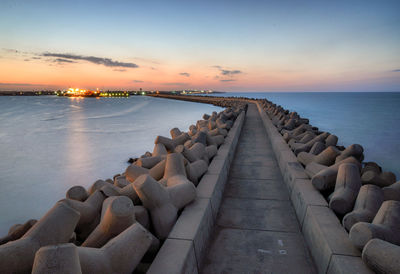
[(256, 229)]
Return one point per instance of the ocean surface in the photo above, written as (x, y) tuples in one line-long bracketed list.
[(48, 144), (371, 119)]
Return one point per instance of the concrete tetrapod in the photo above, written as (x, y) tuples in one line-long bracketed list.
[(175, 132), (57, 259), (368, 202), (317, 148), (128, 191), (120, 181), (159, 150), (117, 214), (380, 179), (180, 189), (325, 178), (211, 151), (78, 193), (55, 227), (297, 148), (133, 171), (97, 185), (392, 192), (301, 138), (354, 150), (326, 157), (89, 212), (195, 170), (196, 152), (170, 144), (149, 162), (17, 231), (371, 166), (331, 140), (348, 184), (156, 199), (287, 134), (381, 256), (120, 255), (385, 226)]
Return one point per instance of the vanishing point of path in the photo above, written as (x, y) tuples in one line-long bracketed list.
[(256, 229)]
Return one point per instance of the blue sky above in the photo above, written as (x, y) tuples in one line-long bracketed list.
[(331, 45)]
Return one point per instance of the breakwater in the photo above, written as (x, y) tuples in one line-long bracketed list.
[(347, 209), (118, 226)]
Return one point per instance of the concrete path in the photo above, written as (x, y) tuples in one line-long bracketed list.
[(256, 229)]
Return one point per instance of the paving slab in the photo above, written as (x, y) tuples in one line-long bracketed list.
[(256, 189), (249, 251), (255, 172), (262, 161), (258, 214)]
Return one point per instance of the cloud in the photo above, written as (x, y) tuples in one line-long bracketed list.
[(229, 72), (138, 81), (20, 84), (227, 75), (10, 50), (120, 70), (61, 60), (175, 84), (396, 70), (227, 80), (92, 59), (185, 74), (36, 58)]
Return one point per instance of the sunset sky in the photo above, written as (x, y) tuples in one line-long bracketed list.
[(219, 45)]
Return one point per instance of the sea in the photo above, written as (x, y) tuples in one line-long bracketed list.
[(49, 143)]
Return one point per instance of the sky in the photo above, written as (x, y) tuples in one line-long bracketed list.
[(218, 45)]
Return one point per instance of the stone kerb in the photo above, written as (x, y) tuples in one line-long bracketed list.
[(326, 238), (184, 249)]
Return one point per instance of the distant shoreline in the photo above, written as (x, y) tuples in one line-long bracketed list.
[(135, 92)]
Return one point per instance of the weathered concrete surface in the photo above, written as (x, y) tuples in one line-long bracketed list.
[(256, 228)]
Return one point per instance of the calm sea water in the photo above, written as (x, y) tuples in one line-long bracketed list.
[(371, 119), (49, 144)]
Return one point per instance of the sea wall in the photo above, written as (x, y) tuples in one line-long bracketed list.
[(165, 199), (342, 203), (348, 210)]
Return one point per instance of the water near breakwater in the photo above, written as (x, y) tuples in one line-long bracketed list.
[(371, 119), (49, 144)]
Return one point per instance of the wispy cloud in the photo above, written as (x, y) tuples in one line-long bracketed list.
[(230, 72), (175, 84), (10, 50), (119, 70), (227, 80), (185, 74), (226, 75), (138, 81), (92, 59), (61, 60), (20, 84), (396, 70)]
